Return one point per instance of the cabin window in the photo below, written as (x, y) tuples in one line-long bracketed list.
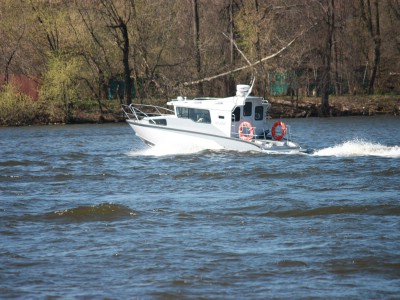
[(199, 115), (159, 121), (248, 107), (259, 113), (196, 115), (236, 115), (182, 112)]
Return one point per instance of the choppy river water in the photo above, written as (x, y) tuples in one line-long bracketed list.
[(88, 212)]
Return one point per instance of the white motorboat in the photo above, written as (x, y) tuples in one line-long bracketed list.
[(238, 123)]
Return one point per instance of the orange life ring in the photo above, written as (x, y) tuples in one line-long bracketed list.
[(250, 131), (283, 129)]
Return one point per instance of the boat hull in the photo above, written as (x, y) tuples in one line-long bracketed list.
[(155, 135)]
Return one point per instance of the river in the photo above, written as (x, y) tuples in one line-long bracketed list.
[(89, 212)]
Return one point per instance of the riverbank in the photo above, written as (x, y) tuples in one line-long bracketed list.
[(281, 107), (285, 107)]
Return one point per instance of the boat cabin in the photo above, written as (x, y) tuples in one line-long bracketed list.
[(238, 116)]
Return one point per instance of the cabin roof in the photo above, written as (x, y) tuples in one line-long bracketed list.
[(214, 103)]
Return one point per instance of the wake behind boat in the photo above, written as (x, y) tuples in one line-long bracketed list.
[(238, 123)]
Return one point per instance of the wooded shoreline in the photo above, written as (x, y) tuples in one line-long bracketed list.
[(339, 106), (64, 53), (281, 107)]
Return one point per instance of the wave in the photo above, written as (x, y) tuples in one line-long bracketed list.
[(373, 210), (174, 149), (17, 163), (352, 148), (359, 147), (100, 212)]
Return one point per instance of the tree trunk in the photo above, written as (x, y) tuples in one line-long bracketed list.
[(375, 33), (119, 24), (125, 61), (377, 49), (338, 91), (327, 58), (196, 28)]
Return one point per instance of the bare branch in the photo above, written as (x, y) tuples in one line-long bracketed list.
[(237, 48), (250, 65)]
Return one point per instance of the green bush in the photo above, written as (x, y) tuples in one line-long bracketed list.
[(60, 87), (19, 109)]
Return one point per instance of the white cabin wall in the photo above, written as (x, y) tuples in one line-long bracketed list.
[(222, 124)]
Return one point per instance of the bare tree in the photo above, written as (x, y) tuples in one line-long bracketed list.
[(327, 56), (13, 31), (371, 20), (47, 18), (117, 19), (196, 39), (94, 51)]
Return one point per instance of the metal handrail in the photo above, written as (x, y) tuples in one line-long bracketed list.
[(137, 111), (288, 133)]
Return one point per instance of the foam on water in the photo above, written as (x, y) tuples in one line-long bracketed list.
[(359, 147), (173, 149), (352, 148)]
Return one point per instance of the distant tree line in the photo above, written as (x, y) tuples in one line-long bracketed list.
[(138, 49)]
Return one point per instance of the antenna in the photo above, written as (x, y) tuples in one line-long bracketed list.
[(253, 80)]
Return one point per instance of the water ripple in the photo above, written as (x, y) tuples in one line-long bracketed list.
[(376, 210)]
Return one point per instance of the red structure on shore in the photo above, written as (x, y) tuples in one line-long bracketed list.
[(23, 84)]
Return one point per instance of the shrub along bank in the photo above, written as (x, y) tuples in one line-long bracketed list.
[(287, 107), (17, 109)]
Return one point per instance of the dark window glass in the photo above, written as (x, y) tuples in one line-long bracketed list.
[(160, 121), (197, 115), (182, 112), (259, 113), (236, 115), (247, 109)]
